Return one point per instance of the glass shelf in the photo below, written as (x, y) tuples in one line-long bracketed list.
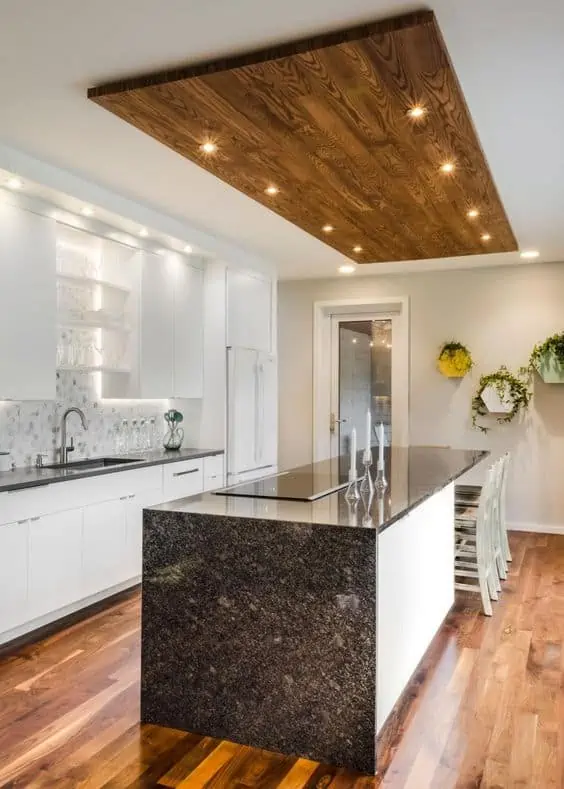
[(89, 282), (75, 323), (98, 368)]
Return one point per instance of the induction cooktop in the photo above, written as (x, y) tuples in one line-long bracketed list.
[(307, 483)]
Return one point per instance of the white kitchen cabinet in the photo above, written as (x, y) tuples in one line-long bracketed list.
[(136, 502), (156, 328), (28, 336), (249, 310), (188, 373), (55, 556), (14, 564), (214, 472), (104, 545), (185, 478)]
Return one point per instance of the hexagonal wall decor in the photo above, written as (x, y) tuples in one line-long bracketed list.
[(496, 403)]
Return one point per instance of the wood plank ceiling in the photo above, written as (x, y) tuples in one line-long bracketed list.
[(322, 131)]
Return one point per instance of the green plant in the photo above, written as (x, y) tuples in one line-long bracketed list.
[(552, 346), (509, 387)]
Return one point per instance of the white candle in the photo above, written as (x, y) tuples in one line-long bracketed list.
[(353, 453), (368, 435), (381, 445)]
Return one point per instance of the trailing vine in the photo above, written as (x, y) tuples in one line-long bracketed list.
[(454, 360), (508, 386), (552, 346)]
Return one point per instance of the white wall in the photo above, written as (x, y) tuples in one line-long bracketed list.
[(499, 313)]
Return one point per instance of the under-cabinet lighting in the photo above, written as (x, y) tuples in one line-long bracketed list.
[(328, 228), (485, 237), (357, 249), (272, 190), (447, 167), (15, 182), (473, 213), (208, 147)]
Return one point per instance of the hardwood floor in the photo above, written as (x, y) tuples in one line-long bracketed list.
[(488, 713)]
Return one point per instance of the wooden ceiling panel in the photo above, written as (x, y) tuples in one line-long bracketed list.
[(326, 121)]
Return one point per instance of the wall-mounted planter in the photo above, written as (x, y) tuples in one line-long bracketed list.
[(454, 360), (496, 402), (550, 369)]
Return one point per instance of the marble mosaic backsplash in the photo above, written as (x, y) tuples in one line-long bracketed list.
[(27, 428)]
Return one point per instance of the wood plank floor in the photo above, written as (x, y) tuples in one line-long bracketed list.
[(488, 713)]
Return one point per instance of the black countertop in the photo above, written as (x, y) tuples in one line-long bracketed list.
[(33, 477), (413, 475)]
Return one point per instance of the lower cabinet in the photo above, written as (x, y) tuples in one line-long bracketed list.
[(104, 545), (55, 555), (134, 528), (88, 540), (14, 563)]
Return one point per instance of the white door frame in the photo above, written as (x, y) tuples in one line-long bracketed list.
[(323, 312)]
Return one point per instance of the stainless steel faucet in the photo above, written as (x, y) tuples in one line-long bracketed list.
[(64, 451)]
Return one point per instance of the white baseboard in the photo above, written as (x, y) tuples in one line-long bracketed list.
[(538, 528)]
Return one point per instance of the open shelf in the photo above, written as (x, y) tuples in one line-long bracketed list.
[(89, 282), (99, 368), (97, 323)]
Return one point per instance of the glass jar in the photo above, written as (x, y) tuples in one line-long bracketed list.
[(134, 438), (152, 433)]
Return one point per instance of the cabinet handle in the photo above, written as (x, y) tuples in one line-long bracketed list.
[(37, 518), (20, 523), (123, 498), (183, 473), (132, 496)]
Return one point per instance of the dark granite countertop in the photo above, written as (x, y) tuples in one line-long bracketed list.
[(413, 474), (33, 477)]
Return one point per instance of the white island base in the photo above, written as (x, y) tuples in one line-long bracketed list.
[(415, 593)]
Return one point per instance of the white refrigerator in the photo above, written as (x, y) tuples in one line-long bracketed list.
[(252, 414)]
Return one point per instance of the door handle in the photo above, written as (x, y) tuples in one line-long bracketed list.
[(333, 422), (183, 473)]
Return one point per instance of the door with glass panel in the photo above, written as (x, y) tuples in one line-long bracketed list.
[(362, 379)]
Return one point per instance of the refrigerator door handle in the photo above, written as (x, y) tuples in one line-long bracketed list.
[(257, 419)]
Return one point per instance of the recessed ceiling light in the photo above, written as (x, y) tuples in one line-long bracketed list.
[(87, 210), (357, 249), (15, 182), (143, 232), (416, 112), (447, 167), (473, 213), (530, 254), (485, 237), (354, 340), (188, 249), (208, 147), (328, 228), (272, 190), (347, 269)]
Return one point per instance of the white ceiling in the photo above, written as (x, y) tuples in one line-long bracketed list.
[(508, 54)]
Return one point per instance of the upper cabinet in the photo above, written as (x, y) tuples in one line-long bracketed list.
[(171, 328), (249, 310), (27, 305)]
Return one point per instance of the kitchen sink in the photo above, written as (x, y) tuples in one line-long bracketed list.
[(92, 463)]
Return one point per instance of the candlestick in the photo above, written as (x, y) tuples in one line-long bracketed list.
[(353, 452), (351, 493), (367, 444), (381, 445)]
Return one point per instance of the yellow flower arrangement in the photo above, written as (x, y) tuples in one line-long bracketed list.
[(454, 360)]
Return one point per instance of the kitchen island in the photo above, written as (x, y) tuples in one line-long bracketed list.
[(282, 616)]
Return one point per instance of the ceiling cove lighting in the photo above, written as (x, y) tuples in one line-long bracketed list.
[(188, 249), (87, 210), (447, 167), (529, 254), (208, 147), (143, 232), (14, 182), (348, 268), (485, 237), (328, 228), (272, 190), (473, 213)]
